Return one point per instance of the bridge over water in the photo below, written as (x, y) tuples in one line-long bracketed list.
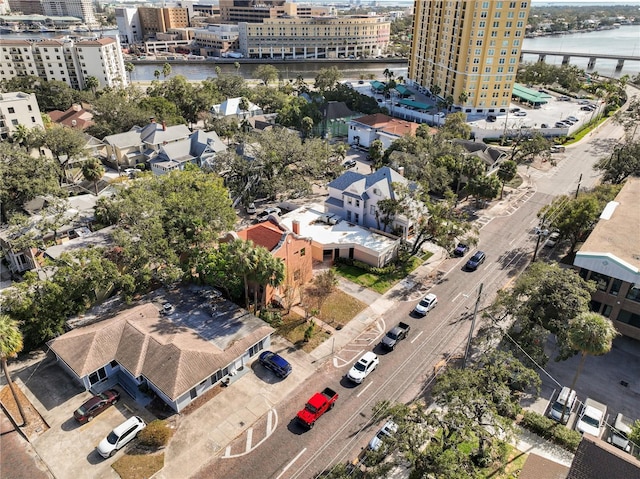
[(566, 57)]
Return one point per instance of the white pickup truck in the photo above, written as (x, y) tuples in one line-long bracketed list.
[(591, 418)]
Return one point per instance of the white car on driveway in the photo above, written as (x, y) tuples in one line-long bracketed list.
[(120, 436), (363, 367), (426, 304)]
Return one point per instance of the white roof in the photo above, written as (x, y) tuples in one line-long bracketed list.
[(343, 233)]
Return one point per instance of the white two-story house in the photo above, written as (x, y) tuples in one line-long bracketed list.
[(354, 197), (365, 130)]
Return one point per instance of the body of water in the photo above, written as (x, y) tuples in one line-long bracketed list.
[(624, 41)]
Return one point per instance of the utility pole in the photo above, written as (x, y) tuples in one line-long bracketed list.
[(473, 325), (578, 188), (540, 233)]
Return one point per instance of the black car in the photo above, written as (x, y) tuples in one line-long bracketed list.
[(476, 260), (276, 363), (350, 163), (461, 249), (491, 118)]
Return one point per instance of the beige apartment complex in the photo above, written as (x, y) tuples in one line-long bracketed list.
[(468, 49), (315, 37), (155, 20), (252, 11)]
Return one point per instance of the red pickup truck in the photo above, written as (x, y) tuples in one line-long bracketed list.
[(316, 406)]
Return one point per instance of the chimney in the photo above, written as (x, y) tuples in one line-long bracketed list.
[(164, 125), (401, 170), (296, 226)]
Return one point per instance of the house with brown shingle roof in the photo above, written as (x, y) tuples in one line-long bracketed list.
[(179, 356), (292, 248), (365, 130), (595, 459), (75, 117)]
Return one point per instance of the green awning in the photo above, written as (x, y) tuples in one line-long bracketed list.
[(376, 85), (415, 104), (404, 91), (527, 94)]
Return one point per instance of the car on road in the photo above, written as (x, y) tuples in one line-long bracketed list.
[(476, 260), (564, 98), (363, 367), (350, 163), (387, 431), (275, 363), (461, 249), (426, 304), (520, 113), (395, 335), (251, 209), (120, 436), (96, 405), (491, 118)]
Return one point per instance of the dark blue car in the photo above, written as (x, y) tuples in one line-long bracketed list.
[(276, 363), (476, 260), (461, 249)]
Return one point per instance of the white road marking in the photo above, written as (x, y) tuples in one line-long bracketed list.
[(269, 421), (417, 336), (457, 296), (247, 446), (364, 389), (292, 462), (227, 452)]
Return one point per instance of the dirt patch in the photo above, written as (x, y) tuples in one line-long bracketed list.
[(138, 465), (35, 424), (199, 401)]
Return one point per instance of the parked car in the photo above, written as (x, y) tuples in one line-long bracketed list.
[(350, 163), (168, 308), (562, 124), (552, 240), (120, 436), (461, 249), (363, 367), (395, 335), (387, 431), (476, 260), (276, 363), (316, 406), (557, 149), (564, 98), (572, 118), (491, 118), (251, 209), (96, 405), (568, 121), (520, 113), (262, 216), (564, 402), (426, 304), (619, 433), (591, 418), (583, 101)]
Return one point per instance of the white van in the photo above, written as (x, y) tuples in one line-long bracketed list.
[(620, 432), (565, 400)]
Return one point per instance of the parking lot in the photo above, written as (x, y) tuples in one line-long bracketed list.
[(67, 447), (611, 379)]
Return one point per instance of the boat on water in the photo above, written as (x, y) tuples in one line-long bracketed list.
[(10, 28)]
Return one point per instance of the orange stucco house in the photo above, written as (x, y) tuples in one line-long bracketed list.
[(292, 248)]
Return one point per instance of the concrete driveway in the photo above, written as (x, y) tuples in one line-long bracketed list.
[(68, 448)]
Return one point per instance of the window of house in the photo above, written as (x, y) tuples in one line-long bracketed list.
[(634, 294), (630, 318), (303, 251), (97, 376), (602, 280), (606, 312), (348, 215), (595, 306), (357, 203), (356, 218), (193, 393), (113, 364), (256, 348), (615, 286)]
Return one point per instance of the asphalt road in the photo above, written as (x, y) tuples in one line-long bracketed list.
[(404, 374)]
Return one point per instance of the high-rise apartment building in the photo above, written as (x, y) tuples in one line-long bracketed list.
[(236, 11), (82, 9), (468, 50), (64, 60)]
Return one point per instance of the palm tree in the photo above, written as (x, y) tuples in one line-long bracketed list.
[(591, 334), (91, 83), (463, 97), (388, 74), (129, 67), (22, 136), (435, 90), (10, 346), (93, 171), (157, 74), (244, 106), (218, 71), (166, 70)]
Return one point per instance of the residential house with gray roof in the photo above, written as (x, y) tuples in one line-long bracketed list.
[(355, 196), (200, 148)]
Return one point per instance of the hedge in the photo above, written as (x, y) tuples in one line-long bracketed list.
[(552, 430), (156, 434)]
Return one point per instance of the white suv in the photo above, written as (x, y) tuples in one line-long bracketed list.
[(361, 369), (120, 436)]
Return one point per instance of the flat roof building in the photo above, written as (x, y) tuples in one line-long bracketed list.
[(611, 257)]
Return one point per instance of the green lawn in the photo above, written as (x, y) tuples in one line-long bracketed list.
[(380, 283)]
